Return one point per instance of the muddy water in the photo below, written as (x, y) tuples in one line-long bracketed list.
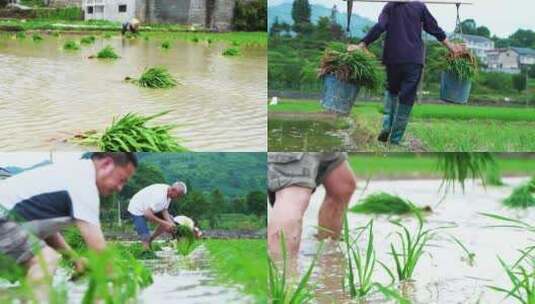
[(47, 93), (442, 276), (179, 280)]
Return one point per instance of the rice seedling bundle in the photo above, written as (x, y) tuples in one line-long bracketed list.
[(458, 166), (71, 45), (37, 37), (358, 67), (185, 240), (130, 133), (231, 52), (114, 277), (107, 53), (463, 65), (166, 45), (88, 40), (522, 197), (195, 39), (20, 35), (493, 176), (156, 77), (384, 203)]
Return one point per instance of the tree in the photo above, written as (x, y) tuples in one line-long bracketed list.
[(523, 38), (519, 82), (469, 27), (276, 28), (483, 31), (301, 11), (256, 203)]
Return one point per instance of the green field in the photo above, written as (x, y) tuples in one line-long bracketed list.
[(433, 127), (406, 165), (241, 262)]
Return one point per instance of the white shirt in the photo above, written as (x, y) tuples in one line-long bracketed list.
[(153, 197), (53, 191)]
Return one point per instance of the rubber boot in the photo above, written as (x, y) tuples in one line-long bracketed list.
[(401, 119), (390, 103)]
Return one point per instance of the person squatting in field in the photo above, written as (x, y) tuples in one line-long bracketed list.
[(152, 203), (292, 178), (403, 56), (37, 204)]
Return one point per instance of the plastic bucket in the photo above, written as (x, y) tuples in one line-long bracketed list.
[(338, 96), (453, 89)]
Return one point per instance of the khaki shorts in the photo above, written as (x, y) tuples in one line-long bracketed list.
[(16, 242), (307, 170)]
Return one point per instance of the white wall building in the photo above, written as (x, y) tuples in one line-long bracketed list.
[(479, 45), (113, 10)]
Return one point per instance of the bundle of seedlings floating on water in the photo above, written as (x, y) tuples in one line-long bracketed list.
[(106, 53), (231, 52), (130, 133), (156, 77), (357, 67), (37, 37), (88, 40), (166, 45), (185, 239), (384, 203), (71, 45), (522, 196)]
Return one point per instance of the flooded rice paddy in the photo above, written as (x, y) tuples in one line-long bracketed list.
[(177, 279), (47, 93), (442, 275)]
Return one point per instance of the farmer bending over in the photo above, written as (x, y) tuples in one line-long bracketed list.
[(152, 203), (403, 56), (292, 178), (131, 26), (35, 205)]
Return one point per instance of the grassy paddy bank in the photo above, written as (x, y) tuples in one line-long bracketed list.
[(437, 127)]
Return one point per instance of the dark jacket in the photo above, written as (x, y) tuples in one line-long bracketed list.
[(403, 23)]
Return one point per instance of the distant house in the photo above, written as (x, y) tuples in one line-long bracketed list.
[(479, 45), (4, 174), (510, 60)]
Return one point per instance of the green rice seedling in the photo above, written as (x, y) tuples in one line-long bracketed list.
[(71, 45), (107, 36), (114, 278), (185, 240), (458, 166), (156, 77), (130, 133), (508, 222), (37, 37), (412, 248), (522, 277), (56, 34), (107, 53), (360, 265), (88, 40), (235, 43), (531, 185), (470, 256), (384, 203), (20, 35), (522, 197), (209, 41), (130, 35), (391, 293), (9, 269), (358, 67), (195, 39), (166, 45), (281, 290), (73, 237), (493, 176), (231, 52)]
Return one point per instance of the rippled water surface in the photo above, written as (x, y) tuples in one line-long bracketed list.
[(442, 275), (47, 93)]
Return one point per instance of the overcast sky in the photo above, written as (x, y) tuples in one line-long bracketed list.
[(28, 159), (502, 17)]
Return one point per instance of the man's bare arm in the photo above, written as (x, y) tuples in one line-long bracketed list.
[(92, 234)]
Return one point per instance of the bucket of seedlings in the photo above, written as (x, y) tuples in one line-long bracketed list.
[(457, 75), (344, 74)]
